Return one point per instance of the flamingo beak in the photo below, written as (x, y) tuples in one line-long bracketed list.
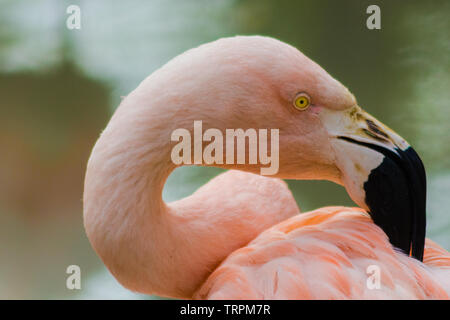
[(384, 175)]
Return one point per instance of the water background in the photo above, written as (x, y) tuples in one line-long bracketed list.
[(58, 88)]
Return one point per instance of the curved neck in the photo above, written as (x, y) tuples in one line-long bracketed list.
[(154, 247)]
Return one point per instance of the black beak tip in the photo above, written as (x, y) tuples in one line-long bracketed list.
[(396, 196)]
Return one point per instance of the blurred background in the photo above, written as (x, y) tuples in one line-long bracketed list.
[(59, 87)]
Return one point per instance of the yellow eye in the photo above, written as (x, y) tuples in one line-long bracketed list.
[(302, 101)]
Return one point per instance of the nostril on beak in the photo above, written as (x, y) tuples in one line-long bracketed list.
[(376, 129), (373, 135)]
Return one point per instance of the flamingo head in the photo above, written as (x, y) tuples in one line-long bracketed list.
[(260, 82)]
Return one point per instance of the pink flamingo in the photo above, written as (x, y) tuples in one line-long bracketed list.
[(241, 234)]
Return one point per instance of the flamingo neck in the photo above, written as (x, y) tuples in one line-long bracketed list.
[(158, 248), (148, 245), (125, 218)]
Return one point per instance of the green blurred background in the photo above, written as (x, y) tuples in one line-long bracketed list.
[(58, 88)]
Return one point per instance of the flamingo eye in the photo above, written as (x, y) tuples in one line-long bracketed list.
[(302, 101)]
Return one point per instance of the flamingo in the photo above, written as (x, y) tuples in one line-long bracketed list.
[(241, 235)]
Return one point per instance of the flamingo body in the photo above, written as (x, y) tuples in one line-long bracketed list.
[(321, 254), (325, 254)]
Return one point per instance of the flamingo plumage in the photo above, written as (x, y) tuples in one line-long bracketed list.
[(241, 235), (325, 254)]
